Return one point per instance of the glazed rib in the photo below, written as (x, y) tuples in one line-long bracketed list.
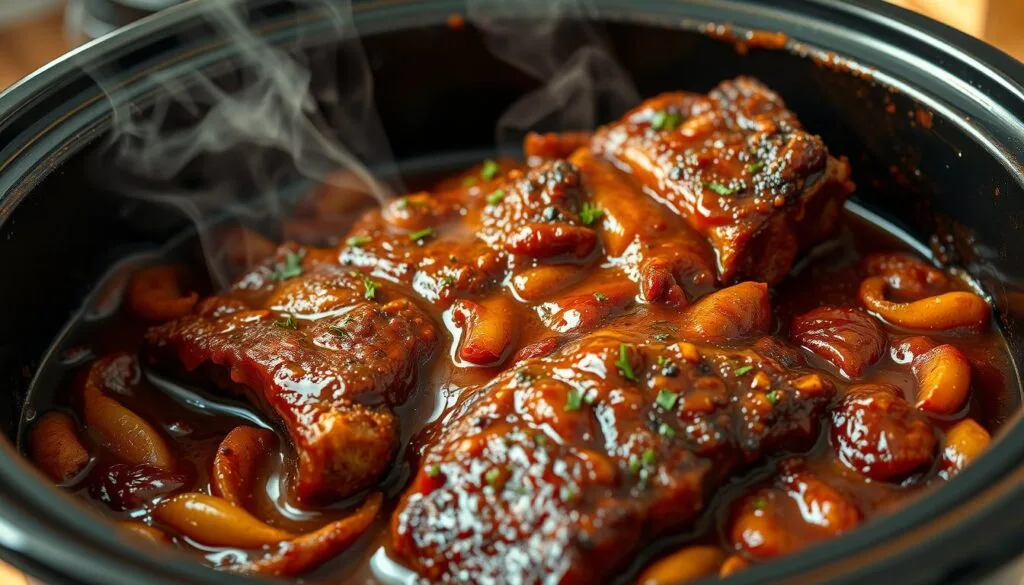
[(738, 166), (562, 467), (319, 354)]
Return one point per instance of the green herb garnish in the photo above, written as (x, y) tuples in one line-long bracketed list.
[(590, 213), (625, 368), (358, 241), (666, 399), (600, 297), (369, 287), (719, 188), (755, 168), (666, 431), (433, 470), (661, 336), (573, 400), (590, 397), (287, 321), (567, 494), (469, 181), (634, 465), (338, 331), (760, 504), (292, 266), (489, 170), (662, 360), (402, 203), (773, 397), (419, 235), (540, 439), (648, 457), (663, 120), (496, 197), (743, 370), (492, 476)]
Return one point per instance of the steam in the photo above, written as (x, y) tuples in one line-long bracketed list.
[(561, 44), (274, 117), (231, 139)]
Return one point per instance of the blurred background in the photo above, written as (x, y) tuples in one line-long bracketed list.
[(34, 32)]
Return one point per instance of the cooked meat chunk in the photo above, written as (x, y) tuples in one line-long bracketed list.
[(325, 351), (739, 167), (558, 470), (657, 250), (540, 214)]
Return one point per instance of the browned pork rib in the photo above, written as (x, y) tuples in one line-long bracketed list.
[(558, 470), (324, 350), (739, 167)]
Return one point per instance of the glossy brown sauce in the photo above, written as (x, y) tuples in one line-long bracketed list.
[(666, 334), (826, 277)]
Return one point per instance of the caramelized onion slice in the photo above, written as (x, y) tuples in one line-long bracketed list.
[(489, 329), (313, 549), (124, 432), (144, 531), (55, 448), (237, 462), (157, 293), (732, 565), (942, 312), (685, 565), (943, 380), (965, 442), (216, 522), (730, 314)]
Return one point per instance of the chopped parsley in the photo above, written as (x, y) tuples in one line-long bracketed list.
[(662, 360), (760, 504), (666, 399), (755, 168), (600, 296), (448, 280), (666, 431), (567, 493), (422, 234), (402, 203), (492, 476), (719, 188), (743, 370), (489, 170), (625, 368), (540, 439), (773, 397), (433, 470), (496, 197), (661, 336), (358, 241), (634, 465), (648, 457), (573, 400), (664, 120), (338, 331), (469, 181), (590, 397), (369, 287), (590, 213), (287, 321), (292, 266)]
